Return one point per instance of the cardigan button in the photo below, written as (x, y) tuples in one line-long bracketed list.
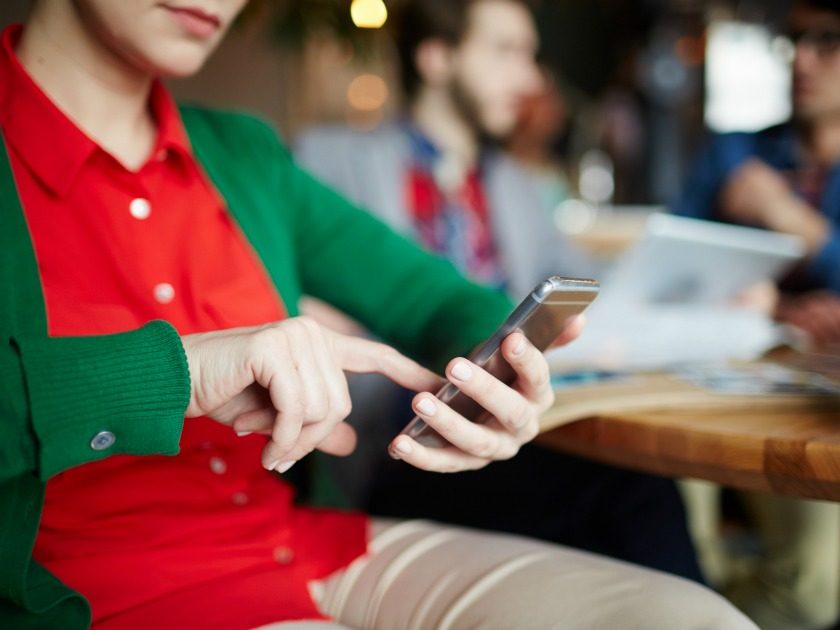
[(102, 440), (164, 293), (283, 555), (218, 465), (140, 208)]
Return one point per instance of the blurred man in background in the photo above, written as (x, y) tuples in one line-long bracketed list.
[(438, 176), (787, 178)]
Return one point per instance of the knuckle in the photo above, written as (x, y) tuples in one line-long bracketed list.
[(343, 407), (296, 326), (292, 411), (511, 452), (485, 447), (265, 340), (317, 410), (308, 324), (388, 357), (530, 431), (520, 415), (541, 378), (547, 399)]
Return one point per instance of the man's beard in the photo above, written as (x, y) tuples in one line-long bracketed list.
[(468, 107)]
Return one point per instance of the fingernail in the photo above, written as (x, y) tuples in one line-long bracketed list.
[(426, 407), (461, 371), (519, 348), (243, 433), (272, 465), (281, 468), (404, 447)]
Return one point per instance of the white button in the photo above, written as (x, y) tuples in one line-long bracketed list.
[(140, 208), (164, 292), (283, 555), (102, 440), (218, 465), (239, 498)]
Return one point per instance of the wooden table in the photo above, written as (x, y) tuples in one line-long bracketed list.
[(787, 450)]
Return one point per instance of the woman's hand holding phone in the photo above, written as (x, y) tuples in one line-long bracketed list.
[(287, 380), (515, 409)]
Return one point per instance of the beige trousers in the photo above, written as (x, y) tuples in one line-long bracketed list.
[(422, 575), (796, 583)]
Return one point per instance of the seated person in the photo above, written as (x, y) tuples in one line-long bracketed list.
[(152, 260), (787, 178), (439, 176)]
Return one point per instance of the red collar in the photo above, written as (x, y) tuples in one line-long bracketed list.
[(53, 147)]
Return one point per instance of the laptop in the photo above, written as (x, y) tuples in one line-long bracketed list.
[(690, 261)]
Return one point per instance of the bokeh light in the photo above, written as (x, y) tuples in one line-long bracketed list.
[(367, 93), (368, 13)]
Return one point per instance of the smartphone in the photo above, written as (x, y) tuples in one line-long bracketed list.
[(541, 317)]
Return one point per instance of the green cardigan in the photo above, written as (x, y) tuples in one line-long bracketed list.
[(56, 393)]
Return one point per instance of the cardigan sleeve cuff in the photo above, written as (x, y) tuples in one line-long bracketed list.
[(824, 269), (92, 397)]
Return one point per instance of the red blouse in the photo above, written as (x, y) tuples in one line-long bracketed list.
[(207, 538)]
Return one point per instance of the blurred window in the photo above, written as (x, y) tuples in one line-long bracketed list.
[(748, 76)]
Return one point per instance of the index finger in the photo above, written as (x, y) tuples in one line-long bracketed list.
[(356, 354)]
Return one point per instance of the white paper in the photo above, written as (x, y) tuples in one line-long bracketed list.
[(648, 337)]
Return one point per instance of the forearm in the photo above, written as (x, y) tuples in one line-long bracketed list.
[(791, 215)]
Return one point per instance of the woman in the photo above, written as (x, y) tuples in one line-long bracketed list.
[(153, 259)]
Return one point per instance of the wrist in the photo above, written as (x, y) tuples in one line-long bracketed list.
[(188, 343), (793, 216), (816, 232)]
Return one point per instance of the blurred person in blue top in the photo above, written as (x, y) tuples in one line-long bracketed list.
[(787, 178)]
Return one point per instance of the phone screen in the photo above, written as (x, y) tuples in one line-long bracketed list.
[(541, 317)]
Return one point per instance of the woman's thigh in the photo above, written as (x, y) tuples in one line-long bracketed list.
[(424, 575)]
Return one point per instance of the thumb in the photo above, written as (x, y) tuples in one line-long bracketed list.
[(341, 441)]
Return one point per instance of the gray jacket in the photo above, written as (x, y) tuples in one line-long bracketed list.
[(370, 167)]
